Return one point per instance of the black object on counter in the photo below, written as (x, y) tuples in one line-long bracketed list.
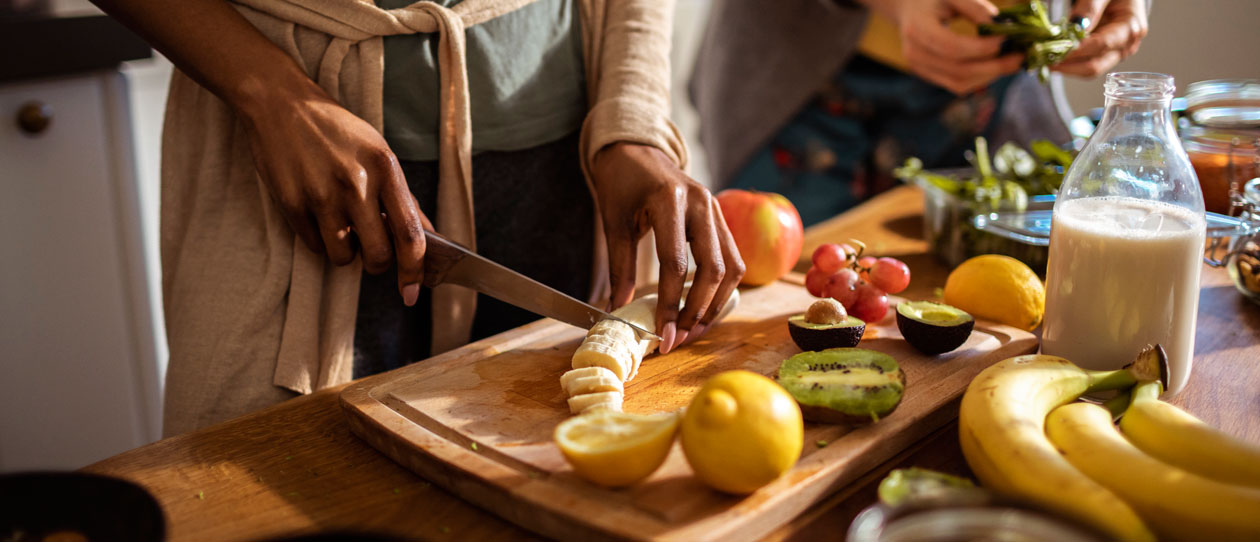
[(38, 504)]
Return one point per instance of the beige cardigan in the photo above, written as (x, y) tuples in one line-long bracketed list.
[(251, 314)]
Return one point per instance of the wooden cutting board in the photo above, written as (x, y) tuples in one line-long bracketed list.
[(478, 421)]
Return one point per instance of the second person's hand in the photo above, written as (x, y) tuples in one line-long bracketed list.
[(1117, 31), (953, 61), (335, 179), (639, 188)]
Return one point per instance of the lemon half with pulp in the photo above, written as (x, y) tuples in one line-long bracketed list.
[(616, 449)]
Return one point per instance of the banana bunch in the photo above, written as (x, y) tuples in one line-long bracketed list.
[(1002, 434), (1176, 437), (1178, 504), (611, 353), (1167, 474)]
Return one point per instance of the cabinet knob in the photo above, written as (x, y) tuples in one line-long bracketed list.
[(34, 117)]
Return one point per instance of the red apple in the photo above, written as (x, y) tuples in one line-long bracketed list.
[(767, 230)]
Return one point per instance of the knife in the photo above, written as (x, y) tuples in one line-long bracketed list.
[(447, 262)]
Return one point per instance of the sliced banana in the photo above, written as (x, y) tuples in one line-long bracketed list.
[(613, 357), (611, 354), (572, 374), (590, 401), (615, 329), (606, 381)]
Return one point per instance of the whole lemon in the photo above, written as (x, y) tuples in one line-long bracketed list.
[(741, 431), (998, 288)]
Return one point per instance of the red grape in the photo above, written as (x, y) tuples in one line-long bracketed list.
[(829, 257), (890, 275), (849, 252), (864, 266), (841, 287), (871, 304), (816, 282)]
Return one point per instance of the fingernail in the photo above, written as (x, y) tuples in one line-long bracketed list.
[(668, 333), (682, 337), (698, 330), (410, 293)]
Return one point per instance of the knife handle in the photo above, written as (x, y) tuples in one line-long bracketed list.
[(440, 255)]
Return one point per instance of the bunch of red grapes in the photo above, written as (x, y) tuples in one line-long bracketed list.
[(860, 283)]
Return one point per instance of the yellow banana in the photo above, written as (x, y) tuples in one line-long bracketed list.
[(1176, 437), (1001, 432), (1179, 504)]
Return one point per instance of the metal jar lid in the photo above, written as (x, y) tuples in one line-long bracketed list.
[(1224, 103)]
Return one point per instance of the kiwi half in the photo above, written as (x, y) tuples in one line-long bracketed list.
[(843, 385), (933, 328), (811, 336)]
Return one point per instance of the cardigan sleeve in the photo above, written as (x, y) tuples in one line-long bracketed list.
[(628, 67)]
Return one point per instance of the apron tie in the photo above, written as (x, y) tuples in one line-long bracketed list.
[(453, 306)]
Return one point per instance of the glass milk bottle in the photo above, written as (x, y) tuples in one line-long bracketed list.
[(1126, 241)]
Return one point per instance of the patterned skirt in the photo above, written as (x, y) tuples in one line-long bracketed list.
[(841, 148)]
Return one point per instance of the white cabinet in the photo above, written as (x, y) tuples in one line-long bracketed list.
[(79, 378)]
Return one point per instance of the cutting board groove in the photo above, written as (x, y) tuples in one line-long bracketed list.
[(478, 421)]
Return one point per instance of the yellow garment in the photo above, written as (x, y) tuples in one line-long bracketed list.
[(881, 40), (250, 310)]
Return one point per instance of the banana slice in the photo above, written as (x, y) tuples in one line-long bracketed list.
[(614, 357), (613, 329), (611, 400), (571, 374), (601, 380)]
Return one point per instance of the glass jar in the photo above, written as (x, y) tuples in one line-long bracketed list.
[(972, 515), (1127, 238), (1221, 134), (1244, 252)]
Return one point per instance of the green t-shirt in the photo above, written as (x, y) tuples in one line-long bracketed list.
[(525, 81)]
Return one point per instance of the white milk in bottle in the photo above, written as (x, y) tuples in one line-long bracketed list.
[(1126, 274), (1126, 239)]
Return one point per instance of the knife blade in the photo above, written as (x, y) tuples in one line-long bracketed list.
[(447, 262)]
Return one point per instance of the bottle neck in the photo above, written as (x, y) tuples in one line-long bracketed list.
[(1148, 115)]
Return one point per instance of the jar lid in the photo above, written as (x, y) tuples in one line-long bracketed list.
[(1224, 103), (1243, 142)]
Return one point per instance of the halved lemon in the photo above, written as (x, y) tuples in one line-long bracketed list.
[(616, 449)]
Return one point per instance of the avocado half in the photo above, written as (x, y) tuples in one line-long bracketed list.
[(843, 385), (933, 328), (811, 336)]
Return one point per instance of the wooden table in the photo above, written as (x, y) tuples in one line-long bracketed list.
[(295, 468)]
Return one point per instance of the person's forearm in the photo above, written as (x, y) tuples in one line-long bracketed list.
[(216, 46)]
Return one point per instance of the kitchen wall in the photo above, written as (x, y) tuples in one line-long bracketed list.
[(1192, 40)]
